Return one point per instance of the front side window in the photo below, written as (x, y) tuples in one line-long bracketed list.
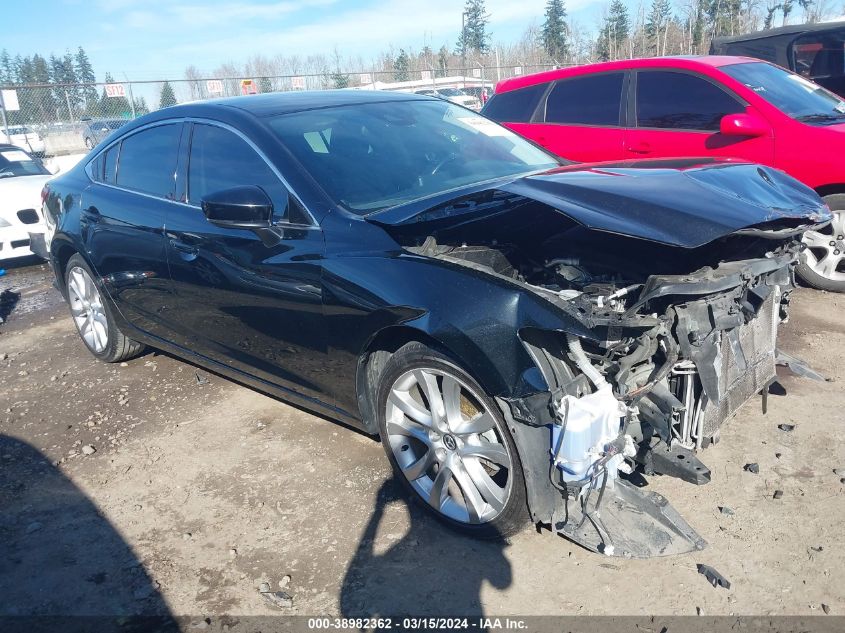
[(794, 95), (222, 160), (148, 160), (589, 100), (378, 155), (673, 100)]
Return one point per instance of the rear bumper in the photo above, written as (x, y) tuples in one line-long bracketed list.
[(15, 241)]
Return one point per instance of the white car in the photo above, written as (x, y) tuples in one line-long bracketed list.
[(22, 178), (454, 95), (24, 137)]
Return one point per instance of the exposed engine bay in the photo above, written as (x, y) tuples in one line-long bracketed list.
[(679, 338)]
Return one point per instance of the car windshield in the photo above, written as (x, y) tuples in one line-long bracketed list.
[(378, 155), (798, 97), (16, 162)]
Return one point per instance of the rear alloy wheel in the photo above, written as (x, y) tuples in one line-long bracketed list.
[(92, 318), (822, 263), (449, 444)]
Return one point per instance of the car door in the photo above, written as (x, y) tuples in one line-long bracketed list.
[(250, 299), (122, 221), (580, 118), (677, 113)]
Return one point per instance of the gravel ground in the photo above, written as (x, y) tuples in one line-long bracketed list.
[(141, 488)]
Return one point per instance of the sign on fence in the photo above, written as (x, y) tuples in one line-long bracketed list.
[(248, 87), (297, 83), (214, 86), (10, 100), (366, 78), (517, 70), (476, 72), (115, 90), (425, 75)]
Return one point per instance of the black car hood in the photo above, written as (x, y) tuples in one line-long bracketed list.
[(686, 202)]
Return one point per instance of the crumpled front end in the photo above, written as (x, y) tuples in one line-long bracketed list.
[(663, 334), (673, 359)]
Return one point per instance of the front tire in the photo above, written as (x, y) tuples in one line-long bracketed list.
[(822, 263), (92, 316), (449, 445)]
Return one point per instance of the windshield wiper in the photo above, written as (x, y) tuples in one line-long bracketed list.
[(817, 118)]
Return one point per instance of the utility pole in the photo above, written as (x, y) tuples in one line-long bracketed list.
[(131, 98)]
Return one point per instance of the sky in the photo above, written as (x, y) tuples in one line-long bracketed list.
[(155, 39)]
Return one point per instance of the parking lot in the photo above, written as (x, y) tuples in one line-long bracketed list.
[(153, 486)]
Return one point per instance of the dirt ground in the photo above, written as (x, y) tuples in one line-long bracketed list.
[(200, 489)]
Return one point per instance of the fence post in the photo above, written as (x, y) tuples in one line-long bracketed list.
[(131, 101), (5, 124)]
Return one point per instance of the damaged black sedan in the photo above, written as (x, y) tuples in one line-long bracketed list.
[(521, 333)]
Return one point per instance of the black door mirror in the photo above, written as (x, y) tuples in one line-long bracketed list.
[(239, 208)]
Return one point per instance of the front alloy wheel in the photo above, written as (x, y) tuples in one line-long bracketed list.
[(822, 263), (449, 445)]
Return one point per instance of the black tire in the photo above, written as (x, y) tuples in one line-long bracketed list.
[(514, 515), (836, 202), (118, 347)]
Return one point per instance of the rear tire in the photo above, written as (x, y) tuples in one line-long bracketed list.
[(92, 315), (822, 263), (460, 463)]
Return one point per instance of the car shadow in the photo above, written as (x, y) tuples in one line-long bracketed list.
[(60, 557), (429, 571)]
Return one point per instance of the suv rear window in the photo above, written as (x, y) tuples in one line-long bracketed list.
[(588, 100), (514, 106)]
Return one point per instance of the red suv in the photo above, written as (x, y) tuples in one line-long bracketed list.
[(734, 107)]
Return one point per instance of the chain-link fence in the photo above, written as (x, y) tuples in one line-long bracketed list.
[(56, 119)]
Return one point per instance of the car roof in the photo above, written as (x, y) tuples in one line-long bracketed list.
[(686, 62), (792, 29), (275, 103)]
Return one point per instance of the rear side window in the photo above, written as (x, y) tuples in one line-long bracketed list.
[(589, 100), (222, 160), (681, 101), (110, 163), (515, 106), (148, 160)]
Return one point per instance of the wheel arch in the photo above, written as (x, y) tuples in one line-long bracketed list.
[(377, 352), (61, 255), (828, 190)]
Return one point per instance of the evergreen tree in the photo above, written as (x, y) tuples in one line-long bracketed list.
[(614, 31), (443, 62), (724, 16), (73, 90), (402, 66), (698, 25), (167, 97), (474, 36), (657, 23), (7, 73), (141, 106), (554, 33), (85, 75), (265, 85), (339, 80)]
